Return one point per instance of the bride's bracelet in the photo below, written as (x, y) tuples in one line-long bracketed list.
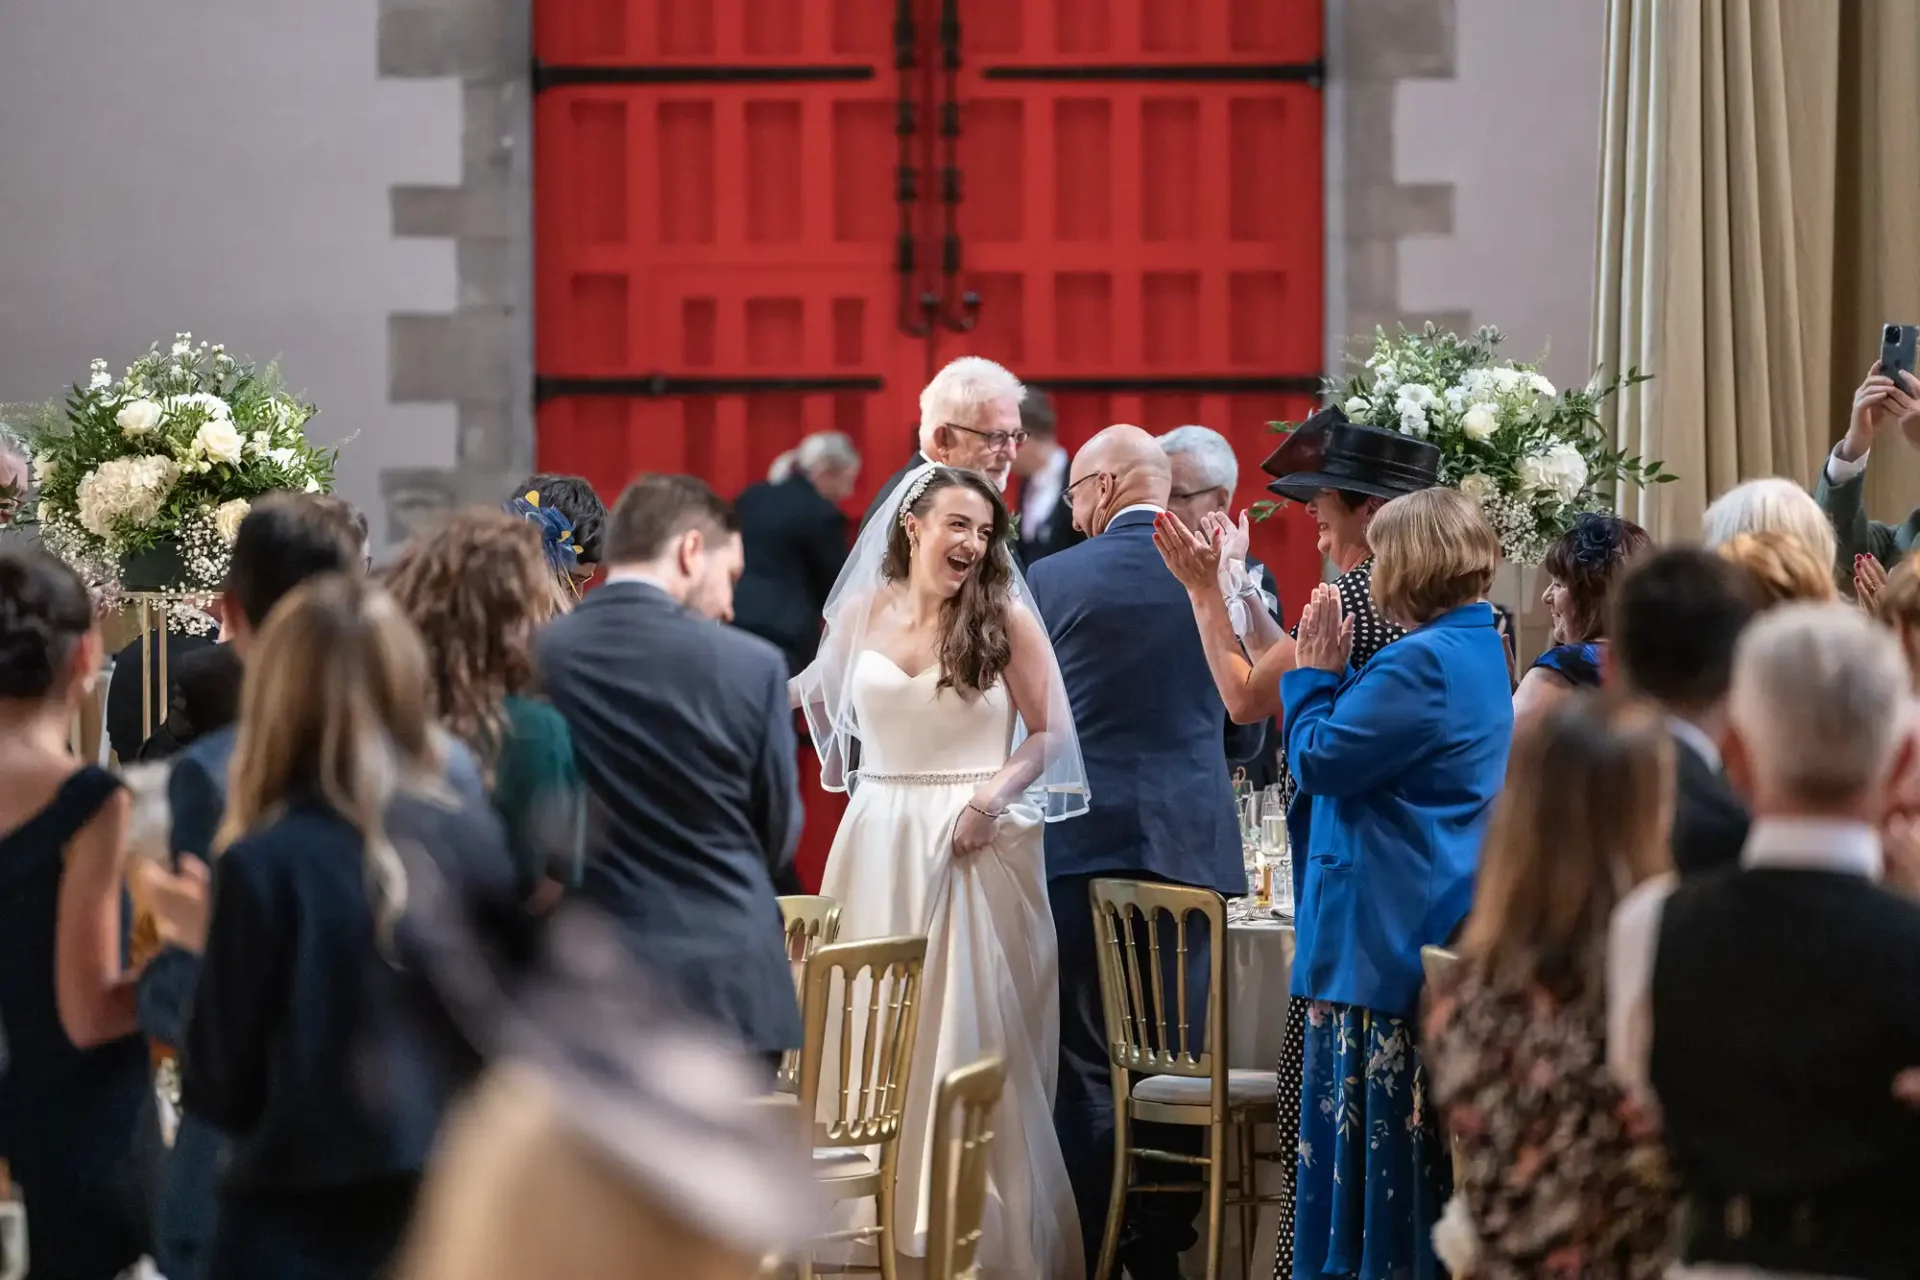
[(986, 813)]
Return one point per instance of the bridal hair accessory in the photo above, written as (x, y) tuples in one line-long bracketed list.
[(915, 488)]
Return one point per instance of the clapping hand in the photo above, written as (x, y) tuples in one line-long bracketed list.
[(1194, 558), (1872, 401), (1869, 578), (1232, 539), (1325, 637)]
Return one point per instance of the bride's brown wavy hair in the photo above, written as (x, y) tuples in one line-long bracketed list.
[(974, 643)]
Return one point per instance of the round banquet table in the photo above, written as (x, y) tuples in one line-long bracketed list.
[(1259, 971)]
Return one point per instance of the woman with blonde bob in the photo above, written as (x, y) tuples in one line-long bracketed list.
[(1770, 505), (1398, 763), (1787, 569), (1516, 1037), (301, 1045)]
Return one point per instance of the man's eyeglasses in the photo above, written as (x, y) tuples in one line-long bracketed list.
[(1091, 475), (996, 440)]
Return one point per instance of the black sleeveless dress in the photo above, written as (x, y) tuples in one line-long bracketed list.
[(70, 1119)]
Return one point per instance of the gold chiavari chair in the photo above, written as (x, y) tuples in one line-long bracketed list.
[(812, 922), (1439, 965), (869, 991), (962, 1140), (1143, 932)]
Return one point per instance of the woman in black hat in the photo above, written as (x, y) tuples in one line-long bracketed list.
[(1344, 472)]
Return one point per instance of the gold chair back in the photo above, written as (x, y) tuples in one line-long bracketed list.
[(812, 922), (962, 1140), (1149, 1030), (868, 991), (1438, 963)]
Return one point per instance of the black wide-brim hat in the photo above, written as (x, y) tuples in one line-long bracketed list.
[(1329, 452)]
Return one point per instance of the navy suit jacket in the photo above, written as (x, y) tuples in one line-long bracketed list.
[(1148, 716), (796, 542), (684, 736)]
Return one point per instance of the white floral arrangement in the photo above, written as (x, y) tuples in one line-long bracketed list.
[(167, 460), (1532, 456)]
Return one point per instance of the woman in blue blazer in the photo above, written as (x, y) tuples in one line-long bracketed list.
[(1398, 765)]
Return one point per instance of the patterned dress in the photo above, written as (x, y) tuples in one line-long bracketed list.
[(1371, 633), (1559, 1174)]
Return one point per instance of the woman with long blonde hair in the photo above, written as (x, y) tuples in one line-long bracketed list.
[(301, 1045), (477, 588), (1554, 1172)]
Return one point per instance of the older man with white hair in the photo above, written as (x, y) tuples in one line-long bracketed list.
[(969, 418), (1769, 1010)]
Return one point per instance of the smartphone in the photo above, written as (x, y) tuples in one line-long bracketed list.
[(1897, 351)]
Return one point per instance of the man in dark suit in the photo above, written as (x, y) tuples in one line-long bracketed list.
[(684, 735), (1046, 517), (1149, 719), (1677, 617), (794, 536)]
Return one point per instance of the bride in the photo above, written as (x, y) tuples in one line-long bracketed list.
[(935, 662)]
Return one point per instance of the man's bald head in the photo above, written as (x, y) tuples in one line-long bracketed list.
[(1119, 468)]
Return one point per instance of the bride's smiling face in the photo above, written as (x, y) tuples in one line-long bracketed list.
[(952, 539)]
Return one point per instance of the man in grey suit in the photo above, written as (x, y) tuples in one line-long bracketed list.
[(684, 735)]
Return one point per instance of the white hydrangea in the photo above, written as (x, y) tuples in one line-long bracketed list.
[(1558, 470), (124, 489)]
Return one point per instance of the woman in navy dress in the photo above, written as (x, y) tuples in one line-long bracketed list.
[(307, 1042), (1399, 762), (1581, 568), (72, 1113)]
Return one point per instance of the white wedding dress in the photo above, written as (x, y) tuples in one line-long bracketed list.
[(990, 982)]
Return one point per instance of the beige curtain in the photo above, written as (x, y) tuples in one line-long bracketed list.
[(1759, 215)]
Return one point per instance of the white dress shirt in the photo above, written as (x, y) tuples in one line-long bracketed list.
[(1841, 471), (1696, 738), (1042, 493)]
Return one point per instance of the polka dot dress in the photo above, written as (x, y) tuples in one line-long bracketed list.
[(1371, 633)]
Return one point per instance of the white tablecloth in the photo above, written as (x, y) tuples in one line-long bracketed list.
[(1259, 969)]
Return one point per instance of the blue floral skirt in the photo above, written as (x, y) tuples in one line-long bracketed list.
[(1373, 1172)]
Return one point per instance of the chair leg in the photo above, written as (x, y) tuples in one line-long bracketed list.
[(1249, 1187), (1216, 1196), (1117, 1197), (883, 1210)]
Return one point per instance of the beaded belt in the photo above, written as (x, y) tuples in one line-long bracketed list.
[(929, 779)]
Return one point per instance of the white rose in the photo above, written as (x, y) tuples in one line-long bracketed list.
[(137, 418), (1479, 486), (228, 515), (1413, 422), (44, 467), (1558, 470), (1480, 422), (1359, 407), (218, 441)]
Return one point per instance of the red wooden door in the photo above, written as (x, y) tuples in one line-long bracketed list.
[(1138, 222), (716, 227), (760, 218)]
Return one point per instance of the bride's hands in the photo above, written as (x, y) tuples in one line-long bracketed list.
[(973, 829)]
